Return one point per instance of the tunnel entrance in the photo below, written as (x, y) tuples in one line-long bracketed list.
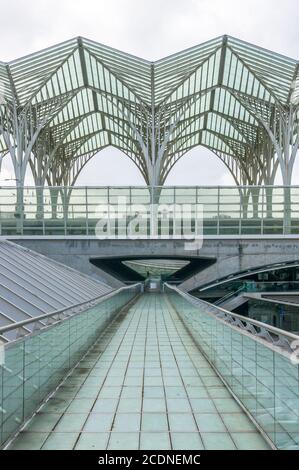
[(175, 269)]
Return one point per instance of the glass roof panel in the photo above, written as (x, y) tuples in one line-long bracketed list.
[(215, 94)]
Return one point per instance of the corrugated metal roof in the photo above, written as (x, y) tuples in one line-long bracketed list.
[(32, 284)]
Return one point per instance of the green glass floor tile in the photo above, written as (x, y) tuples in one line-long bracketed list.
[(211, 381), (153, 382), (80, 405), (178, 405), (126, 422), (209, 422), (65, 394), (123, 441), (153, 392), (129, 405), (105, 405), (113, 381), (203, 405), (173, 382), (60, 441), (207, 372), (237, 422), (182, 422), (192, 381), (134, 373), (55, 405), (43, 422), (92, 441), (197, 392), (250, 441), (110, 392), (175, 392), (88, 392), (154, 422), (27, 440), (155, 441), (226, 405), (154, 405), (131, 392), (219, 392), (133, 381), (71, 422), (186, 441), (98, 422), (217, 441), (170, 372)]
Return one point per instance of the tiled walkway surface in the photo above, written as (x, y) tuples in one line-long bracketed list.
[(145, 385)]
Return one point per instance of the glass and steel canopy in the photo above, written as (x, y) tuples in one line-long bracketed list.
[(62, 105), (156, 267)]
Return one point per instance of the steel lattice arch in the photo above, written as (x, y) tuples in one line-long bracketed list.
[(61, 106)]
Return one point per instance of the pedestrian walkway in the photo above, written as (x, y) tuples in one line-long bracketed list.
[(144, 385)]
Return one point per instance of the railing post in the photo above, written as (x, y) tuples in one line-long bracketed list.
[(152, 205), (86, 211), (263, 210), (287, 210), (218, 210), (23, 378), (19, 209), (39, 202), (65, 212), (240, 210), (109, 216), (269, 201), (174, 215)]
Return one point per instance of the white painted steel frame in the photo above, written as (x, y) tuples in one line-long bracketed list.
[(61, 106)]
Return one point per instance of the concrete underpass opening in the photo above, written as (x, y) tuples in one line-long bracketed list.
[(174, 269)]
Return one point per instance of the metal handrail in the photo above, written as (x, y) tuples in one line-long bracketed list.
[(87, 303), (226, 213), (229, 295), (180, 186), (254, 327)]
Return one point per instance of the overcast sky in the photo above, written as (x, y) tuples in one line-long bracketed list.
[(151, 29)]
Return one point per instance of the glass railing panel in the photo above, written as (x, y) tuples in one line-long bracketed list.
[(143, 195), (35, 364), (248, 395), (164, 195), (208, 195), (32, 374), (53, 357), (262, 376), (237, 363), (221, 353), (116, 193), (286, 402), (265, 390), (227, 210), (227, 354), (12, 385)]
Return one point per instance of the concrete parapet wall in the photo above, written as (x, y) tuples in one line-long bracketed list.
[(231, 255)]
